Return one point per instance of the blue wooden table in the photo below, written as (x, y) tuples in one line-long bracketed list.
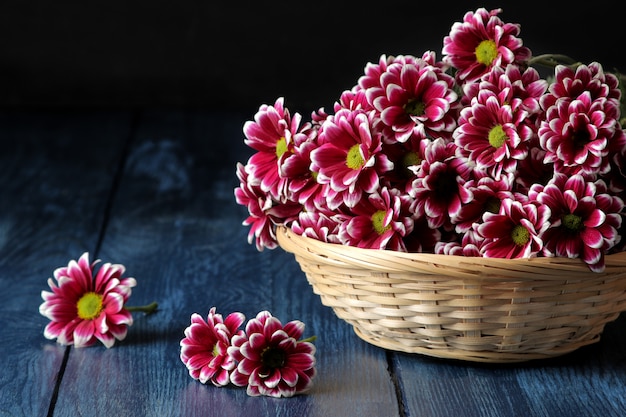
[(153, 190)]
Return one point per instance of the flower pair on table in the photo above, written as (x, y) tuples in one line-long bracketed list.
[(268, 357)]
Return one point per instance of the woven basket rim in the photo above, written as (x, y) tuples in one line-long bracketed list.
[(388, 260)]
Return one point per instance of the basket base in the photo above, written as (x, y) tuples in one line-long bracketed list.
[(466, 308), (466, 355)]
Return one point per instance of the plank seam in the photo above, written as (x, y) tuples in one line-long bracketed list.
[(396, 384)]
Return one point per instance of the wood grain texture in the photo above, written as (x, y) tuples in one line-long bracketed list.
[(588, 382), (54, 189), (177, 228)]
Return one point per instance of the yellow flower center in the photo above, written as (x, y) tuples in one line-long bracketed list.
[(572, 222), (378, 222), (486, 52), (414, 108), (216, 351), (354, 160), (281, 147), (497, 136), (89, 306), (520, 235)]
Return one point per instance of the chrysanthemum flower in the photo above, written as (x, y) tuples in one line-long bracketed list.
[(488, 194), (302, 185), (569, 84), (354, 99), (349, 157), (415, 100), (264, 212), (204, 349), (439, 188), (468, 246), (481, 42), (271, 134), (584, 219), (379, 222), (273, 361), (510, 84), (317, 225), (84, 308), (575, 134), (493, 133), (515, 231), (406, 158), (373, 71)]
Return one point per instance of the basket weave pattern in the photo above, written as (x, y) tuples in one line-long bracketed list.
[(476, 309)]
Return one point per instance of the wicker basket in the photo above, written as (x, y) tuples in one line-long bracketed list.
[(475, 309)]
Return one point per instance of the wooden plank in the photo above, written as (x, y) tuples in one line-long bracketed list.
[(177, 228), (55, 178), (588, 382)]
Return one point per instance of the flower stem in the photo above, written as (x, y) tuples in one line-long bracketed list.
[(148, 309), (308, 339), (552, 60)]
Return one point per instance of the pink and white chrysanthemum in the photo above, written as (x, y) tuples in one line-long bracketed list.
[(481, 42), (204, 349), (319, 226), (302, 185), (584, 219), (439, 188), (575, 134), (354, 99), (84, 308), (379, 222), (415, 100), (272, 135), (510, 84), (264, 212), (273, 361), (373, 71), (493, 133), (488, 194), (406, 158), (468, 246), (349, 157), (569, 84), (514, 232)]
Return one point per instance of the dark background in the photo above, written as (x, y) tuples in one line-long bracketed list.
[(234, 55)]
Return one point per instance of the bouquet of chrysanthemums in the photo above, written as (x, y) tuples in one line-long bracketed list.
[(476, 154)]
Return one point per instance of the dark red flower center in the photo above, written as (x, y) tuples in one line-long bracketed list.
[(273, 357), (580, 139), (492, 205), (414, 107), (446, 185)]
